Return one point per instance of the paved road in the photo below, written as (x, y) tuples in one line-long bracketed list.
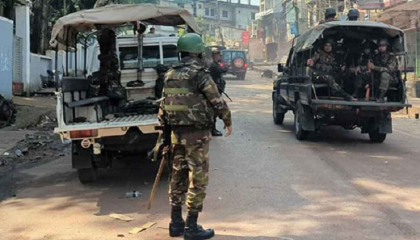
[(264, 184)]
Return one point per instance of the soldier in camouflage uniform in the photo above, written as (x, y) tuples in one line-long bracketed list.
[(384, 66), (325, 67), (330, 14), (191, 99), (216, 72), (360, 70)]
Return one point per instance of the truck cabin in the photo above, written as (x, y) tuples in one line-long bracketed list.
[(352, 46)]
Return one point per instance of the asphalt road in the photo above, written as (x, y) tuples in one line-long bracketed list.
[(264, 184)]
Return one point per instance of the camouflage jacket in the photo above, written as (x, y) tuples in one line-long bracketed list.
[(324, 62), (216, 72), (385, 62), (191, 97)]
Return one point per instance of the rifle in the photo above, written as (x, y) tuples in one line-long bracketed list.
[(224, 93), (163, 147)]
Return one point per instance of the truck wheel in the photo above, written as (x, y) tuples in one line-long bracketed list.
[(300, 133), (87, 175), (377, 137), (277, 117)]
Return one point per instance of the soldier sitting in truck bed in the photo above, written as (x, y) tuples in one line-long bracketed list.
[(325, 68)]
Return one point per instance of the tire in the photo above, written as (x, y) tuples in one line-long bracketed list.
[(87, 175), (278, 118), (300, 133), (377, 137)]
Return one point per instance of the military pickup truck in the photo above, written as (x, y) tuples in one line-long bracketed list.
[(313, 103), (112, 112)]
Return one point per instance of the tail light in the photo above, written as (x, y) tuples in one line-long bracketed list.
[(246, 65), (221, 64), (84, 133)]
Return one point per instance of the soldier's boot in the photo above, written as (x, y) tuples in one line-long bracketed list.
[(193, 231), (216, 133), (177, 225), (381, 97)]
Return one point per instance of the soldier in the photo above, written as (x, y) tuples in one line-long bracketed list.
[(190, 103), (353, 14), (361, 71), (330, 14), (325, 67), (384, 66), (216, 72)]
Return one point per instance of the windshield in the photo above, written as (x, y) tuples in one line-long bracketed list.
[(151, 56)]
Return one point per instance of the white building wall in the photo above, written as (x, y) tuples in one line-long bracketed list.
[(23, 31), (244, 17), (6, 57)]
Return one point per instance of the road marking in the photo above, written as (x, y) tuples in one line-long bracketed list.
[(411, 135)]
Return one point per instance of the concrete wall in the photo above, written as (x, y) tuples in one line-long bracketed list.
[(6, 57), (39, 66), (23, 31)]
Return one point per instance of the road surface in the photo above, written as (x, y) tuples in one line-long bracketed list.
[(264, 184)]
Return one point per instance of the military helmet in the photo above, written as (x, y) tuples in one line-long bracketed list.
[(367, 44), (383, 42), (191, 43), (215, 51), (329, 41), (330, 13), (353, 14)]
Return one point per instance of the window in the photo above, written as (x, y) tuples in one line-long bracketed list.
[(207, 12), (253, 16), (212, 12), (170, 55), (200, 6), (225, 14), (229, 56), (128, 57)]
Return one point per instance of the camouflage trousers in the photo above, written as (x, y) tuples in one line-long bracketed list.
[(190, 175), (330, 81), (385, 79)]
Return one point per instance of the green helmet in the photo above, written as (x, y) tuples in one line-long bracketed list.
[(191, 43)]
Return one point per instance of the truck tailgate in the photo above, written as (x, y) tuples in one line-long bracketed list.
[(362, 105), (114, 127)]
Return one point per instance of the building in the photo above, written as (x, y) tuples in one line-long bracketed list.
[(221, 21)]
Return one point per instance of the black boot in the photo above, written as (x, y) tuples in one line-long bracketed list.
[(193, 231), (381, 97), (177, 225), (216, 133)]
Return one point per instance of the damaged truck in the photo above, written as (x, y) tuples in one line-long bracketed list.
[(112, 112)]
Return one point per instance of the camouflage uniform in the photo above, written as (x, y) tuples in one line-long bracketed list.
[(385, 67), (364, 77), (325, 68), (191, 100), (216, 72)]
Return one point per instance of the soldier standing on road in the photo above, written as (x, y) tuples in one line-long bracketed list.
[(216, 72), (384, 65), (353, 14), (330, 15), (190, 103), (325, 67)]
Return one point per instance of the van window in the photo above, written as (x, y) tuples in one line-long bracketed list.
[(170, 55), (128, 57), (151, 56)]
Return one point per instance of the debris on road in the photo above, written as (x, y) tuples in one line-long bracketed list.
[(121, 217), (142, 228), (121, 235), (2, 163), (220, 198), (6, 154), (7, 112)]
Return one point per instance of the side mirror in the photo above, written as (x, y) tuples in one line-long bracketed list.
[(280, 68)]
